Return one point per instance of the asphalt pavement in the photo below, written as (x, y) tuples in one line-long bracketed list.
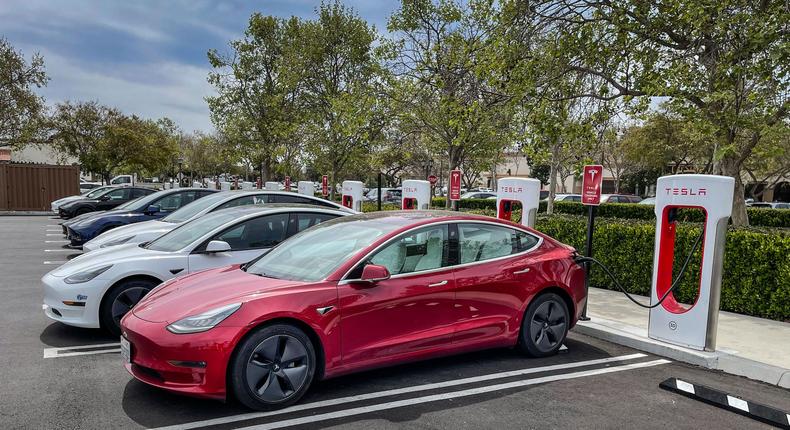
[(55, 376)]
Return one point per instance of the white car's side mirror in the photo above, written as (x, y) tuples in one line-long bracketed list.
[(217, 246)]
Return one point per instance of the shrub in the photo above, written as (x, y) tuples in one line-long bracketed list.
[(756, 278), (757, 216)]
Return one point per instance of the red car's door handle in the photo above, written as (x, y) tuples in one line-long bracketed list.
[(518, 272), (437, 284)]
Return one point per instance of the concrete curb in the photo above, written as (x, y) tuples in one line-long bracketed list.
[(726, 361), (27, 213)]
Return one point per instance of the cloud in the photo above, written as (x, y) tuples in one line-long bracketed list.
[(175, 90), (146, 57)]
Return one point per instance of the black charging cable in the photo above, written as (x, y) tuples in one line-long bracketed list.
[(675, 283)]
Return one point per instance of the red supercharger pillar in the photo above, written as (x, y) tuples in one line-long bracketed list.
[(525, 191), (352, 195), (691, 326), (416, 194)]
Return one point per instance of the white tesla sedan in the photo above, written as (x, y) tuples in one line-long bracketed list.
[(98, 288), (149, 230)]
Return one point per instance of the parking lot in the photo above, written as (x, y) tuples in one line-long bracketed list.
[(57, 376)]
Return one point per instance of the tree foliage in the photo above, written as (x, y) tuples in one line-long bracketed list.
[(21, 109), (104, 140), (722, 63)]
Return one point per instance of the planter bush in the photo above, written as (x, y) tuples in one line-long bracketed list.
[(757, 216), (756, 278)]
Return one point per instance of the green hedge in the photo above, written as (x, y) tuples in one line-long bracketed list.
[(756, 279), (757, 216)]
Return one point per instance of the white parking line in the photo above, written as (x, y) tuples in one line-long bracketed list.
[(73, 251), (53, 230), (57, 241), (66, 351), (450, 395), (53, 225), (55, 234), (55, 262), (398, 391)]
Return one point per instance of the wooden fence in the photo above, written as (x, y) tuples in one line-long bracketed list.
[(32, 187)]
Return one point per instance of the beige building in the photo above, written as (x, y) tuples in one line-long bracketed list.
[(40, 154), (514, 164)]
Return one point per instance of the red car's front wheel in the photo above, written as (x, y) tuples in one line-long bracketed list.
[(273, 367)]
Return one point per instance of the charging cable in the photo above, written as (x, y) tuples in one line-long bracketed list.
[(675, 283)]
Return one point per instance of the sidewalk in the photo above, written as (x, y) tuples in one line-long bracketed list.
[(753, 347)]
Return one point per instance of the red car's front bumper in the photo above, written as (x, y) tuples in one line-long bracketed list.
[(192, 364)]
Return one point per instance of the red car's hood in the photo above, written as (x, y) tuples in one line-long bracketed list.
[(203, 291)]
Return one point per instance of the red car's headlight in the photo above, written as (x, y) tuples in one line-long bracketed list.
[(202, 322)]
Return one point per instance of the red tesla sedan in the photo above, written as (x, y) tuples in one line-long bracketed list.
[(354, 293)]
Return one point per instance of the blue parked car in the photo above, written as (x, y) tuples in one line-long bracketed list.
[(150, 207)]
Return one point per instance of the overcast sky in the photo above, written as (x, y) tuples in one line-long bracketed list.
[(146, 57)]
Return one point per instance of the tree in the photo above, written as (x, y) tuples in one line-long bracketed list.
[(445, 78), (21, 110), (720, 62), (561, 134), (260, 86), (343, 81), (104, 140)]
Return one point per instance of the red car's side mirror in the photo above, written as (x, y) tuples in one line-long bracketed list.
[(374, 273)]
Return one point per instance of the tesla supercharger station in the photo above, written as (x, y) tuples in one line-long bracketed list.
[(352, 195), (416, 194), (224, 186), (246, 185), (306, 187), (691, 326), (518, 190), (272, 186)]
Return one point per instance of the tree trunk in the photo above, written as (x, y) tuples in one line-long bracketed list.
[(553, 167), (730, 167), (332, 184)]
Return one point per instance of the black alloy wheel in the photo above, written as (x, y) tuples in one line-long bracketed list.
[(273, 367), (120, 300), (545, 325)]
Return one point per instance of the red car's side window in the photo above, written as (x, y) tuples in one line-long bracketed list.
[(424, 249)]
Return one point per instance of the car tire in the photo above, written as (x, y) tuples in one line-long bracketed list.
[(273, 367), (120, 300), (545, 326)]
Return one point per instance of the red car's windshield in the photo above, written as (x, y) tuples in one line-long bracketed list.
[(315, 253)]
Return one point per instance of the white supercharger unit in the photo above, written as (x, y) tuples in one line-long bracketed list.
[(693, 326), (224, 186), (272, 186), (525, 191), (246, 185), (197, 184), (306, 187), (416, 194), (352, 195)]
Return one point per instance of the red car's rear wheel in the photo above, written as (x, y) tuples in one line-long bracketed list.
[(545, 325)]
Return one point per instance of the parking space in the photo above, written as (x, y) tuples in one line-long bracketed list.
[(56, 376)]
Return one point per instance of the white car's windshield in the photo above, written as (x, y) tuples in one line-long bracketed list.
[(187, 233), (96, 192), (317, 252), (194, 208)]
